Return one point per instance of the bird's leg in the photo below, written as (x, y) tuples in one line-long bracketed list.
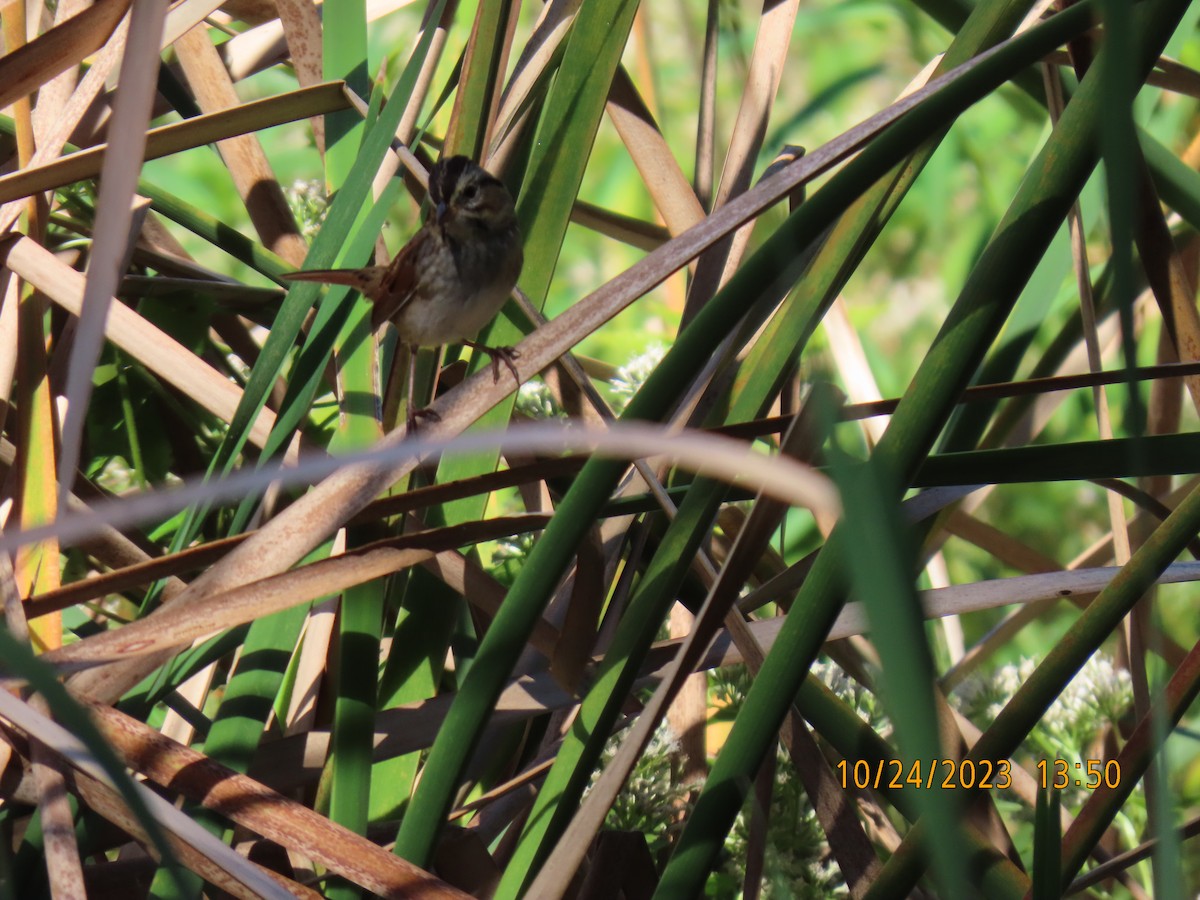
[(376, 378), (334, 368), (411, 411), (506, 355)]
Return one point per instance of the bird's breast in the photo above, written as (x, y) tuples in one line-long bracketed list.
[(466, 296)]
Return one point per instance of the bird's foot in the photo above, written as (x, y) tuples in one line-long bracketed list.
[(424, 412), (506, 355)]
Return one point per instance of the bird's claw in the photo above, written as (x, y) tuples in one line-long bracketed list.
[(506, 355), (424, 412)]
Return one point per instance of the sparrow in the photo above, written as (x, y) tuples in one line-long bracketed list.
[(453, 275)]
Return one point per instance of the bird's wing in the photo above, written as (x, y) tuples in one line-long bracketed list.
[(398, 282), (390, 287)]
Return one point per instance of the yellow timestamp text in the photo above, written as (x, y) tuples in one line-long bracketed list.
[(1089, 774), (893, 774)]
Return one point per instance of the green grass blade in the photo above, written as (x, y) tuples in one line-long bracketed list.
[(1160, 454), (886, 588), (1047, 845), (479, 80)]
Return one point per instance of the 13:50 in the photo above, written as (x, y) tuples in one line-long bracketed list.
[(1058, 774)]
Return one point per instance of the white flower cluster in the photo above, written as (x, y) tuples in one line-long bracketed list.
[(653, 797), (797, 863), (631, 376), (1096, 697), (858, 697), (535, 401), (835, 678), (308, 203), (982, 698)]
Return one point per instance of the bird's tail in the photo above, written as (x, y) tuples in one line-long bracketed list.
[(366, 280)]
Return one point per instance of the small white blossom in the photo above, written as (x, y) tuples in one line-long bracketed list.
[(535, 401), (859, 698), (307, 200), (1097, 696), (652, 798), (631, 376)]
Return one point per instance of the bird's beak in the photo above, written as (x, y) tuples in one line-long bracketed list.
[(439, 213)]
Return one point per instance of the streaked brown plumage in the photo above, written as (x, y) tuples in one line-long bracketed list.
[(455, 273)]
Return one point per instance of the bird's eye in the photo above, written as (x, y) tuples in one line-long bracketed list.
[(469, 193)]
